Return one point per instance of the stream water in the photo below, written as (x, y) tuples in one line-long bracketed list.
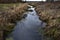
[(28, 28)]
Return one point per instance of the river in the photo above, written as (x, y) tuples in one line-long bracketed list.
[(28, 28)]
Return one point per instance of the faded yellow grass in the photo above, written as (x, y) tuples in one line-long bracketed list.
[(50, 13), (9, 14)]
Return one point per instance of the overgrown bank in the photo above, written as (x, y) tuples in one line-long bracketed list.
[(9, 14), (50, 13)]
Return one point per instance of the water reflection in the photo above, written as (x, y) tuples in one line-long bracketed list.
[(27, 29)]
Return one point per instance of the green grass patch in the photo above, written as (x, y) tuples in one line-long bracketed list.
[(6, 6), (9, 38)]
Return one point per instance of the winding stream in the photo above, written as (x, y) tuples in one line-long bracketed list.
[(28, 28)]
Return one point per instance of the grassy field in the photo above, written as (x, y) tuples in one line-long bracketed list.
[(9, 14), (50, 13), (8, 5)]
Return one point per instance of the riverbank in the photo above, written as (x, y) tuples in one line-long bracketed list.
[(50, 13), (9, 14)]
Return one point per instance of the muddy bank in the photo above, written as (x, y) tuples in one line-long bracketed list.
[(50, 13), (9, 15)]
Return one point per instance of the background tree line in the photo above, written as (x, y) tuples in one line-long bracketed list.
[(9, 1), (14, 1)]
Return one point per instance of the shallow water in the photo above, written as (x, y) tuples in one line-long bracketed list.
[(28, 28)]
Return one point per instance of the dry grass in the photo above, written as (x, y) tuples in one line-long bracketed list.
[(9, 14), (50, 13)]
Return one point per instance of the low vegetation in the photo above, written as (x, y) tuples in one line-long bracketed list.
[(9, 14), (50, 13)]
